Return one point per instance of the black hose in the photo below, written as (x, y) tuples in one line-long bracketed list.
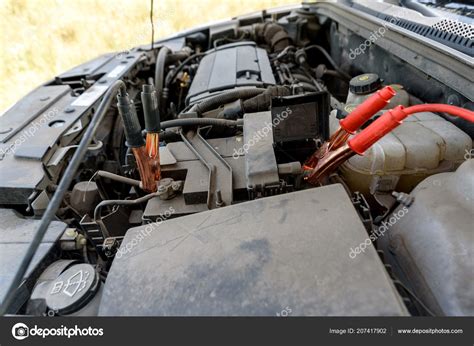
[(223, 98), (160, 77), (330, 59), (60, 192), (308, 86), (174, 57), (235, 109), (200, 122), (273, 34), (334, 73), (302, 78), (170, 136), (160, 67), (262, 102)]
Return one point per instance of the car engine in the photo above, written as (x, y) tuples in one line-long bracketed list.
[(276, 159)]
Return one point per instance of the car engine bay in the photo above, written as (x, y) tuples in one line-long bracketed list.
[(240, 168)]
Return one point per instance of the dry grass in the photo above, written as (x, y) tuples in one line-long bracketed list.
[(42, 38)]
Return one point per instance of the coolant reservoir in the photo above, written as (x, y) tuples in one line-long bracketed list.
[(364, 85), (424, 144)]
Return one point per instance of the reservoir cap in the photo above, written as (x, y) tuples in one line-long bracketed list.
[(73, 289), (365, 83)]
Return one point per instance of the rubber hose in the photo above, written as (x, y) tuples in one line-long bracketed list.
[(223, 98), (200, 122), (274, 35), (160, 77), (262, 102)]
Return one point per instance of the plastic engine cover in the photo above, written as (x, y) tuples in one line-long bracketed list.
[(230, 66), (258, 258)]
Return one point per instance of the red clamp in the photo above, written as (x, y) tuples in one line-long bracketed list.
[(367, 109)]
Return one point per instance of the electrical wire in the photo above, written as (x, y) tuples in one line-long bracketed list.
[(152, 26), (442, 108), (394, 117)]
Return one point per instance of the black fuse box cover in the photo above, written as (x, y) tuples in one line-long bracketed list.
[(301, 117)]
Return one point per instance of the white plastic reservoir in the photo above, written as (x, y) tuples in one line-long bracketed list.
[(423, 145)]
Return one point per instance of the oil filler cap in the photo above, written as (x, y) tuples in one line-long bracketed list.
[(365, 83), (73, 289)]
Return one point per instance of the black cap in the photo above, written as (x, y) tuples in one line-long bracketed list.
[(365, 83)]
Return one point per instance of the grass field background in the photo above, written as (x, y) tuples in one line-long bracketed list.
[(42, 38)]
